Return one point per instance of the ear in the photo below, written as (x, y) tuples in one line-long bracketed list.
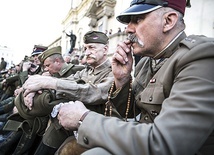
[(57, 60), (170, 20)]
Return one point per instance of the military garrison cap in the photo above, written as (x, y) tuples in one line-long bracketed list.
[(49, 52), (144, 6), (95, 37)]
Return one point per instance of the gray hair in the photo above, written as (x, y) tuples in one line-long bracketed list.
[(59, 56), (180, 23)]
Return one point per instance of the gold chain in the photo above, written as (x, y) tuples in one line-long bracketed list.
[(109, 104)]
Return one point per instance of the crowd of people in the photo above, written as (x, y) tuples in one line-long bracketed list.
[(100, 107)]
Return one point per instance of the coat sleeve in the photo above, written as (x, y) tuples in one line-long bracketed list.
[(88, 93)]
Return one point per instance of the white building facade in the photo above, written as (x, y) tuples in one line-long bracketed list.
[(100, 15)]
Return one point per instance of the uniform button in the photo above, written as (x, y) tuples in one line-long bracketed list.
[(85, 140), (63, 94), (146, 118), (154, 113), (150, 99)]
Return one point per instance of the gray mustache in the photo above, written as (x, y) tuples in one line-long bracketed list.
[(91, 56), (132, 38)]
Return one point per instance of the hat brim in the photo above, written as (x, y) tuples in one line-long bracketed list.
[(37, 53), (137, 9)]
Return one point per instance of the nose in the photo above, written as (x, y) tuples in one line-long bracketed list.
[(130, 28), (46, 69), (87, 52)]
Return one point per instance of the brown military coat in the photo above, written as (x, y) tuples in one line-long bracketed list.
[(175, 101)]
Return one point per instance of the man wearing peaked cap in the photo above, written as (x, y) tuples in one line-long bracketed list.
[(89, 85), (38, 50), (172, 91), (32, 65), (145, 6)]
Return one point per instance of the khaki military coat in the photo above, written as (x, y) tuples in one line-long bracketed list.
[(90, 85), (175, 101)]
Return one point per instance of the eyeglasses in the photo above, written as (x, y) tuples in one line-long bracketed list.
[(152, 2)]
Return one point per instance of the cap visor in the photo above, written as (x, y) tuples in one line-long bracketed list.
[(37, 53), (125, 16)]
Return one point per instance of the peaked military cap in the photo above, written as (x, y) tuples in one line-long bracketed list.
[(38, 49), (95, 37), (49, 52), (144, 6)]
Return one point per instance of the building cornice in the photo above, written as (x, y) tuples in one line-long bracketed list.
[(100, 8)]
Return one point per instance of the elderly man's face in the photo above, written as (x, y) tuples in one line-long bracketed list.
[(147, 28), (95, 53), (36, 60), (51, 66)]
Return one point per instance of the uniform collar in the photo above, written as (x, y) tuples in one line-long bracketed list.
[(101, 67), (171, 47), (65, 68)]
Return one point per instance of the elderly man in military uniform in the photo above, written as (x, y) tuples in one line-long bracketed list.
[(173, 90), (90, 85)]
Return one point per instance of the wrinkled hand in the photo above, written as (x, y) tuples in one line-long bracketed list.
[(122, 62), (15, 110), (46, 74), (70, 114), (38, 82), (28, 100), (18, 91)]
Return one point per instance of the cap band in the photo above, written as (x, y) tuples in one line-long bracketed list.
[(145, 6), (151, 2)]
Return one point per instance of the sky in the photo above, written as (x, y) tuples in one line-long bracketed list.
[(25, 23)]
